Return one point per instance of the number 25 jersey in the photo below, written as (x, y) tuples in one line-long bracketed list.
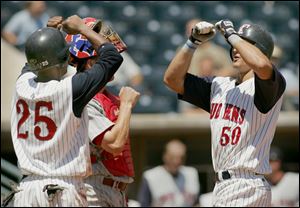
[(49, 140)]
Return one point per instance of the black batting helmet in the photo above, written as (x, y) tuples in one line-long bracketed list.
[(46, 47), (257, 36)]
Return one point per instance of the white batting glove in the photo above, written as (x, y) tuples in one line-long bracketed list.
[(202, 32)]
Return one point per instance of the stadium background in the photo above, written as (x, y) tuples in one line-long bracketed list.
[(153, 31)]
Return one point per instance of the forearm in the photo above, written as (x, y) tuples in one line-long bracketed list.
[(95, 38), (253, 57), (115, 139), (176, 71)]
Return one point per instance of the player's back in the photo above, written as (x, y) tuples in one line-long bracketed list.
[(48, 139)]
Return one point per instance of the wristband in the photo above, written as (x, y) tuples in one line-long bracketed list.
[(189, 45)]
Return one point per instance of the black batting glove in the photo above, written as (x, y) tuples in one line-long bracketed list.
[(226, 28)]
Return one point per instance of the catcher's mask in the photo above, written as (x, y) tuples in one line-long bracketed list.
[(257, 36), (81, 49)]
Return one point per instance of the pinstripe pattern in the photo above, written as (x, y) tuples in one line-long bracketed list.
[(102, 195), (67, 153), (243, 190), (250, 153), (257, 129), (31, 194), (63, 159)]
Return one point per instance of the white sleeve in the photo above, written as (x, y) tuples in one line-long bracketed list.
[(98, 122)]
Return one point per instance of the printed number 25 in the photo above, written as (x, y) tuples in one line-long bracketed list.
[(51, 126), (235, 135)]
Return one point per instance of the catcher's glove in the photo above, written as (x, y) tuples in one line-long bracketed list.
[(98, 26), (107, 31)]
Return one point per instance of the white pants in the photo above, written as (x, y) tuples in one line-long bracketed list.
[(100, 195), (242, 190), (31, 192)]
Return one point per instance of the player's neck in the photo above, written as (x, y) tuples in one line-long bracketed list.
[(243, 77)]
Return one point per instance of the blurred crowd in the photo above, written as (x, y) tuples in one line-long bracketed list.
[(146, 25)]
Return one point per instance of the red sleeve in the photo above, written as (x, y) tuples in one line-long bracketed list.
[(98, 139)]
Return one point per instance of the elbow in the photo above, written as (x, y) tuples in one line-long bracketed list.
[(119, 60), (263, 64), (167, 80), (170, 81), (174, 84), (116, 149)]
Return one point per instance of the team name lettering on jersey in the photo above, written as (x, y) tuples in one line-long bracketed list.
[(231, 112)]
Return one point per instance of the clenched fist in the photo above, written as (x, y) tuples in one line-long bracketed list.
[(73, 25), (202, 32), (226, 28), (55, 22), (129, 95)]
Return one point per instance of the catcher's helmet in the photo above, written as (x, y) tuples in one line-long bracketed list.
[(257, 36), (46, 47), (81, 48)]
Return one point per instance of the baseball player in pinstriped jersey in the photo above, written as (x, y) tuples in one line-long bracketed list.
[(49, 122), (243, 110), (109, 118)]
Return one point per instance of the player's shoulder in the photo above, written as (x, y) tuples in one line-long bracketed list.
[(95, 105), (25, 79)]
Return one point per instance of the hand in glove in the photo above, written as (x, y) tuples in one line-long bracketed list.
[(202, 32)]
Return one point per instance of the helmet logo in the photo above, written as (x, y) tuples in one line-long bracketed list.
[(244, 26), (38, 65)]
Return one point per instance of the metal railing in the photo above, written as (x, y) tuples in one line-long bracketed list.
[(10, 175)]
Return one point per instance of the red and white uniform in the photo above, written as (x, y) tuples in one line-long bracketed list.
[(241, 138), (49, 141), (103, 111)]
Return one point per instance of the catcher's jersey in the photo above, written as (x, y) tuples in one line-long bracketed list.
[(103, 111), (48, 139), (241, 134)]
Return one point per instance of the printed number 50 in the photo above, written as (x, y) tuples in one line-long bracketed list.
[(51, 126), (235, 135)]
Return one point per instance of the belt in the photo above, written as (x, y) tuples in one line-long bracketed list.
[(224, 175), (115, 184)]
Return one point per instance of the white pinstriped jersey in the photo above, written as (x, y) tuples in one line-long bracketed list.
[(48, 139), (241, 134)]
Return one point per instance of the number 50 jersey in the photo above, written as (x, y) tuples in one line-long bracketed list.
[(49, 140), (241, 134)]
